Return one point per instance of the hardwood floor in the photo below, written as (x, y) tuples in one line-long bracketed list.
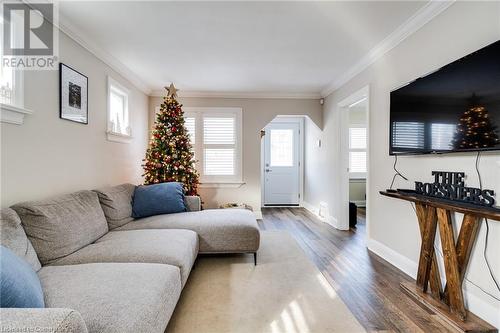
[(365, 282)]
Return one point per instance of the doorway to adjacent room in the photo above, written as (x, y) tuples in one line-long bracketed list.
[(354, 171)]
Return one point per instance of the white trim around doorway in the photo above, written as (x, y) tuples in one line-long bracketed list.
[(343, 108), (285, 119)]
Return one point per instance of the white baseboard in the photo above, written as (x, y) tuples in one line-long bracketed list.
[(406, 265), (311, 208), (479, 307), (333, 222), (327, 219), (475, 304), (258, 214)]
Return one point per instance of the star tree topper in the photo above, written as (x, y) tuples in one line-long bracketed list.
[(172, 91)]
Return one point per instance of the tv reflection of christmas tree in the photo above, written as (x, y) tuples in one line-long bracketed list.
[(475, 130)]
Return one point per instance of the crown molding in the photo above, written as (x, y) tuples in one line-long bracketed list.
[(228, 94), (410, 26), (75, 34)]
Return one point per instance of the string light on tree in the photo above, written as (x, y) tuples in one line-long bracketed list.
[(170, 157), (475, 130)]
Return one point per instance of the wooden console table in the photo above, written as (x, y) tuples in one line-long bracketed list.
[(447, 303)]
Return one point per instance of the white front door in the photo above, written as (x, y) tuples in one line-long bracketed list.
[(281, 164)]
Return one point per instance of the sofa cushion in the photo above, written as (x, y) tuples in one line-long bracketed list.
[(116, 202), (13, 237), (164, 198), (173, 247), (32, 320), (115, 297), (19, 284), (219, 230), (60, 226)]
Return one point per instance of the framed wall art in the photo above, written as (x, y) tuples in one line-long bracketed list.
[(73, 92)]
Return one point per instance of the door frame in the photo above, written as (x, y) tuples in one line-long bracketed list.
[(284, 119), (343, 108)]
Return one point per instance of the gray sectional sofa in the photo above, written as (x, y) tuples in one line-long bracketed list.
[(103, 271)]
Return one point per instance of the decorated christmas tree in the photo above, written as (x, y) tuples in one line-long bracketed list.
[(475, 129), (169, 157)]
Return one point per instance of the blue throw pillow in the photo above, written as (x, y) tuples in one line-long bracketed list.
[(163, 198), (19, 285)]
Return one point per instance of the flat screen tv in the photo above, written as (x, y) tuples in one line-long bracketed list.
[(454, 109)]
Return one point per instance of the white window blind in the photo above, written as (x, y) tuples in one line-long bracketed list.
[(442, 136), (218, 130), (357, 138), (216, 138), (219, 162), (219, 137), (357, 151), (357, 161), (408, 134), (190, 123)]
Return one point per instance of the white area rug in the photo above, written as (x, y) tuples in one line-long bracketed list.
[(285, 292)]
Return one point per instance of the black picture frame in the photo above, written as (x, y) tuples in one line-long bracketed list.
[(73, 95)]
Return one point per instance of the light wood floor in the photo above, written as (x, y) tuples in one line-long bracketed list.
[(365, 282)]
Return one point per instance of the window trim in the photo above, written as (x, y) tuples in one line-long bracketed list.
[(117, 87), (357, 175), (217, 181)]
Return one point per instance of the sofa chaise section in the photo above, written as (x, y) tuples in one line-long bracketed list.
[(172, 247), (219, 230)]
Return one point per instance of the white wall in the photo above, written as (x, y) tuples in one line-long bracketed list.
[(314, 165), (257, 113), (460, 30), (49, 156)]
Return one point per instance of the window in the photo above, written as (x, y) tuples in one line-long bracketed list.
[(281, 147), (190, 126), (6, 85), (11, 80), (215, 134), (118, 113), (357, 152)]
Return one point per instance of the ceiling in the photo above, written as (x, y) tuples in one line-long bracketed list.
[(236, 47)]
